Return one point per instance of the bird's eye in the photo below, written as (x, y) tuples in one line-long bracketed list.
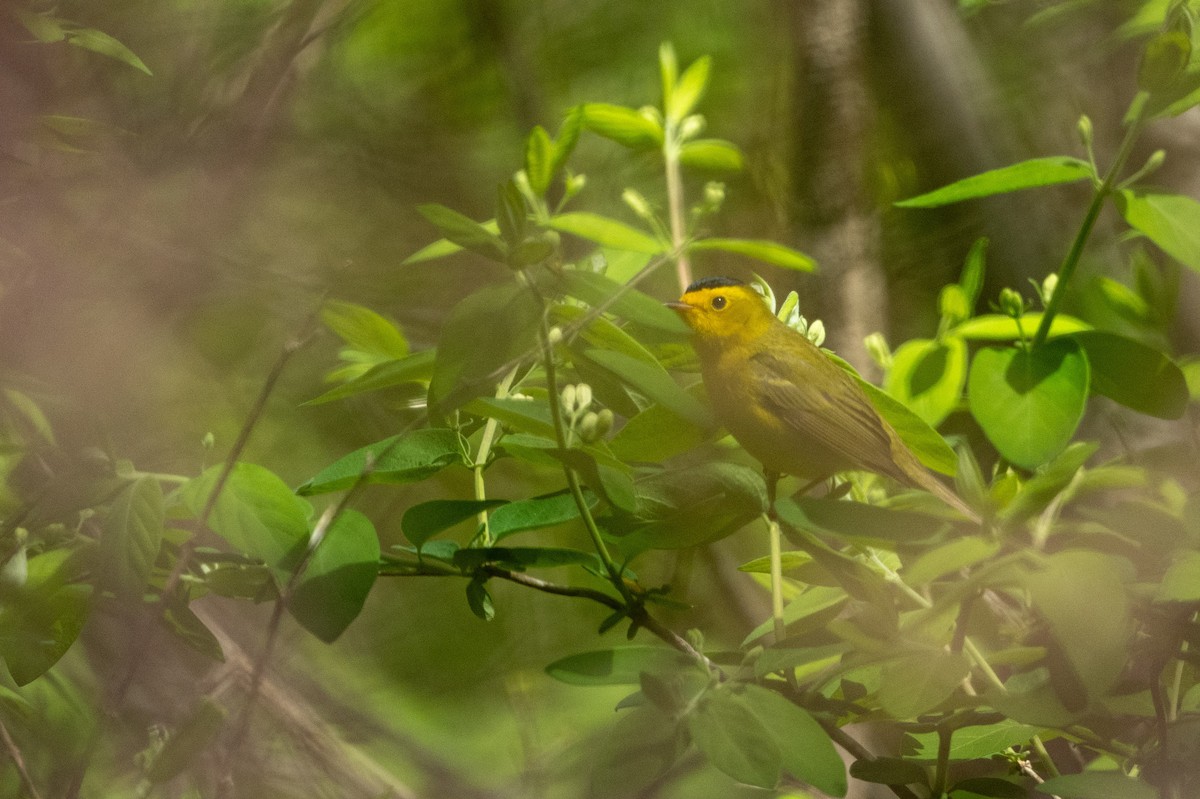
[(718, 302)]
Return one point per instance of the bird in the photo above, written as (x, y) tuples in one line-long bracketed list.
[(787, 404)]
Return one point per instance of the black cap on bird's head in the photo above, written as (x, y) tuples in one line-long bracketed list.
[(712, 283)]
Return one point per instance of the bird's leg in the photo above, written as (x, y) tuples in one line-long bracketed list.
[(773, 531)]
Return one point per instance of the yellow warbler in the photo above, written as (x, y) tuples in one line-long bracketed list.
[(787, 404)]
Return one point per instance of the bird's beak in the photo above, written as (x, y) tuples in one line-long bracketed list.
[(679, 307)]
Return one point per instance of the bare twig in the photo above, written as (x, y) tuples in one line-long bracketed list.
[(19, 761)]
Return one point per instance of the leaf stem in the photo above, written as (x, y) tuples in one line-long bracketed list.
[(560, 435), (683, 267), (1089, 221), (490, 428)]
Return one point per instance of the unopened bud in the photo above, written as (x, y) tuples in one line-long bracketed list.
[(1048, 287), (583, 397), (588, 427), (816, 332), (554, 336), (714, 194), (604, 422), (1011, 303), (638, 203), (567, 399), (877, 347), (691, 127), (1084, 128)]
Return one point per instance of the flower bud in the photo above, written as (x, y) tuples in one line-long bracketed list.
[(588, 427), (567, 399), (691, 127), (1084, 128), (583, 397), (714, 194), (1011, 303), (877, 347), (1048, 287), (554, 336), (816, 332), (638, 203)]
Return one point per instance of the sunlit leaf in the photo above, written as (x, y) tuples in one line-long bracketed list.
[(624, 301), (715, 154), (996, 327), (1172, 221), (623, 125), (689, 88), (1024, 175), (769, 252), (426, 519), (255, 512), (654, 382), (1029, 401), (533, 514), (464, 232), (406, 458), (416, 368), (606, 231), (928, 376)]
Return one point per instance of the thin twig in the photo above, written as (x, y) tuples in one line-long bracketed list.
[(19, 761)]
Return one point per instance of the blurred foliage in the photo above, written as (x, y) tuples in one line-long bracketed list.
[(211, 209)]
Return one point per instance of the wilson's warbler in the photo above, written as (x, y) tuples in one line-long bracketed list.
[(787, 404)]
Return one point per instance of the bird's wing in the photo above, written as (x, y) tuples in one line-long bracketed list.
[(822, 404)]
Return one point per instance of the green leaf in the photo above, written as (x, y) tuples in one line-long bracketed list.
[(1029, 401), (686, 507), (1181, 582), (1039, 490), (623, 301), (44, 27), (469, 364), (805, 748), (406, 458), (1136, 376), (464, 232), (768, 252), (186, 625), (1097, 785), (978, 741), (917, 683), (539, 157), (715, 154), (863, 522), (995, 327), (988, 788), (621, 666), (888, 771), (532, 514), (654, 382), (443, 247), (1081, 594), (187, 743), (623, 125), (656, 434), (928, 376), (814, 602), (529, 415), (568, 137), (364, 330), (688, 89), (973, 271), (100, 42), (948, 558), (1024, 175), (256, 513), (925, 442), (522, 558), (479, 600), (425, 520), (1172, 221), (339, 576), (734, 740), (41, 623), (417, 367), (131, 536), (607, 232)]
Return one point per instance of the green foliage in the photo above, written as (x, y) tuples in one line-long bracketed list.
[(1068, 611)]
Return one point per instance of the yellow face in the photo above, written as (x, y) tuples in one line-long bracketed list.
[(723, 311)]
